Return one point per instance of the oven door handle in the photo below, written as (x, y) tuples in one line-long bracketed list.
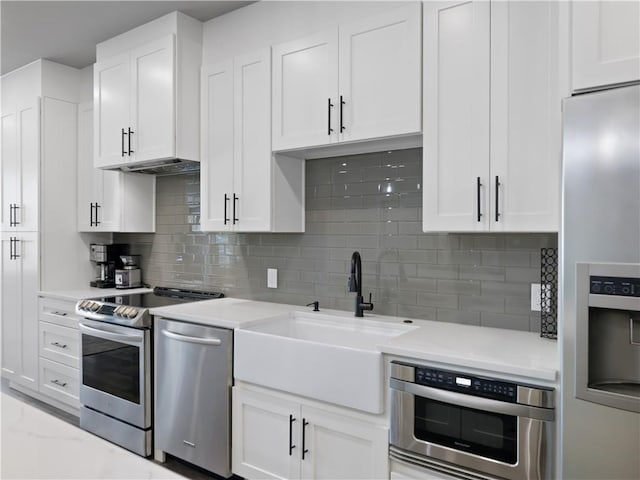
[(185, 338), (116, 337), (470, 401)]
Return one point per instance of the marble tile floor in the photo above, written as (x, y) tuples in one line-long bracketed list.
[(38, 441)]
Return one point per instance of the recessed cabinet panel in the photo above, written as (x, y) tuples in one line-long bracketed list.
[(525, 147), (10, 167), (112, 97), (305, 83), (380, 75), (606, 43), (216, 167), (252, 142), (456, 116), (153, 101)]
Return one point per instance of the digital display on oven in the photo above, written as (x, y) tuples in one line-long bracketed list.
[(463, 382)]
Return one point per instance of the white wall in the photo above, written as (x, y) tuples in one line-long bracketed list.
[(269, 23)]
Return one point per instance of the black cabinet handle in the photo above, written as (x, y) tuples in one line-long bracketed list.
[(91, 215), (131, 132), (329, 106), (122, 143), (497, 196), (478, 185), (342, 127), (13, 250), (291, 445), (235, 199), (226, 199), (97, 222), (304, 426), (13, 215)]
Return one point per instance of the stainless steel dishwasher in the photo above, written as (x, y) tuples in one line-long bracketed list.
[(193, 394)]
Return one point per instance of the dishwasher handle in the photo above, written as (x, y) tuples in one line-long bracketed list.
[(185, 338)]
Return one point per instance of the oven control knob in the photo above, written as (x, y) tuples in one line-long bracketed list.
[(82, 304), (94, 307), (133, 312), (119, 311)]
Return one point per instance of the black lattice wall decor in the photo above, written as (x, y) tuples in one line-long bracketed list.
[(549, 292)]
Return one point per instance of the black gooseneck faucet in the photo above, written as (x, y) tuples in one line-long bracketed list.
[(355, 285)]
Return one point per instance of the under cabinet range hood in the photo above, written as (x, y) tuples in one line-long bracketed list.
[(170, 166)]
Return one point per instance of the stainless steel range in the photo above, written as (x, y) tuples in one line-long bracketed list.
[(117, 362)]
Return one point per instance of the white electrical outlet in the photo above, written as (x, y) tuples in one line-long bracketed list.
[(272, 277), (535, 297)]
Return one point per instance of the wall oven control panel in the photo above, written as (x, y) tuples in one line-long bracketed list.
[(619, 286), (477, 386)]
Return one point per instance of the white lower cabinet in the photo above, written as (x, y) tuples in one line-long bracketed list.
[(281, 436), (19, 310), (59, 353)]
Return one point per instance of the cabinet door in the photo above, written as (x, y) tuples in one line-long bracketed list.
[(525, 117), (216, 165), (606, 43), (305, 86), (263, 430), (10, 168), (20, 284), (98, 190), (252, 142), (10, 307), (456, 116), (153, 101), (340, 447), (380, 77), (112, 97)]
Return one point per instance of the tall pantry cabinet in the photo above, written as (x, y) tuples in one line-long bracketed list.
[(40, 246)]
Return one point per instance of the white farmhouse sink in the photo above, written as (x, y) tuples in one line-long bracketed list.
[(325, 357)]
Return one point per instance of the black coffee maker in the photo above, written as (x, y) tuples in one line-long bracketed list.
[(107, 259)]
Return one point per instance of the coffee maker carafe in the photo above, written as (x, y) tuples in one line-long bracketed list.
[(107, 260)]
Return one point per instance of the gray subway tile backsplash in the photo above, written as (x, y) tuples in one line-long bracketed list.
[(371, 203)]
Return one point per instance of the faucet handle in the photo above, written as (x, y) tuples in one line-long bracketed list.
[(316, 305)]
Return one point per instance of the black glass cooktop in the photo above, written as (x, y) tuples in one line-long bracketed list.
[(160, 297)]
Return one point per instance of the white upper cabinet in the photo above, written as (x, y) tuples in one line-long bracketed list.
[(492, 116), (606, 43), (20, 167), (305, 82), (242, 187), (106, 198), (134, 102), (360, 81), (146, 103)]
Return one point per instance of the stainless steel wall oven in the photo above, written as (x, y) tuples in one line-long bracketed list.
[(470, 426)]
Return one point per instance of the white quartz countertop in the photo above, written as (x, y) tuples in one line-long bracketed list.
[(496, 350), (224, 312), (90, 292)]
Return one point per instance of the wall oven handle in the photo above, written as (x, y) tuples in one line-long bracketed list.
[(185, 338), (116, 337), (470, 401)]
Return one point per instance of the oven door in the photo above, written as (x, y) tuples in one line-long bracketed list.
[(435, 427), (115, 371)]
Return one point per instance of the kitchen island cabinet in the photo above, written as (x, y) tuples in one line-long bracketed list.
[(359, 81), (281, 436), (492, 116)]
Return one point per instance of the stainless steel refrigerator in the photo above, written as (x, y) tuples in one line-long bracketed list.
[(600, 224)]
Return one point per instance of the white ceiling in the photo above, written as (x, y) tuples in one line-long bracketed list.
[(68, 31)]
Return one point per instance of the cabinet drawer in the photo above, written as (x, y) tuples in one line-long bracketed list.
[(60, 312), (60, 344), (60, 382)]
